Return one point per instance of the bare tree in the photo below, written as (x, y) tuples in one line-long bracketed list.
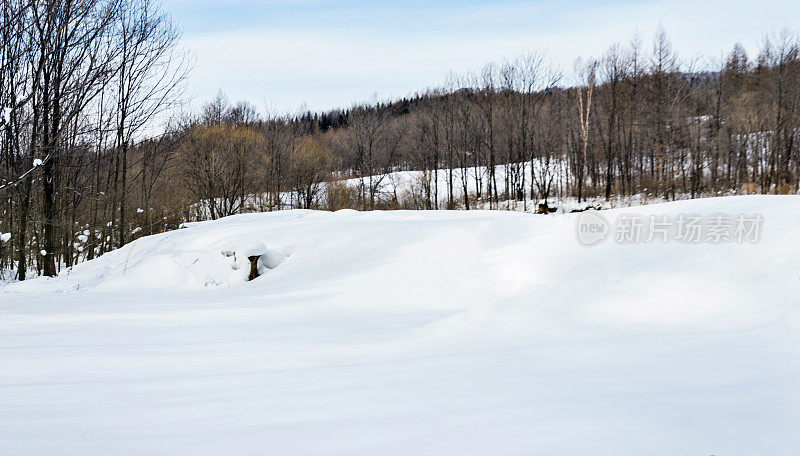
[(585, 91), (311, 163)]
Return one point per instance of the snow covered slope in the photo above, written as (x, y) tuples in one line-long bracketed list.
[(424, 333)]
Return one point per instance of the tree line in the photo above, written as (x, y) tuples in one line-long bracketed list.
[(81, 175), (80, 80)]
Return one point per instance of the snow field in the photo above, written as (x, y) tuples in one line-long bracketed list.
[(426, 333)]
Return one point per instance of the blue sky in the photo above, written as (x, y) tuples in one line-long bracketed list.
[(322, 54)]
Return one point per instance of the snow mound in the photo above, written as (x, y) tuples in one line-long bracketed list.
[(201, 256), (434, 259)]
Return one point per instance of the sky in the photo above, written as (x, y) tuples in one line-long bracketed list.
[(287, 56)]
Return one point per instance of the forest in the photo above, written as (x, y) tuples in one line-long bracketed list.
[(96, 149)]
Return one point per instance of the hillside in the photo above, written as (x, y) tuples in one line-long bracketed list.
[(425, 333)]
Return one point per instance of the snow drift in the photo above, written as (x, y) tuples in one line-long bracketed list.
[(424, 333)]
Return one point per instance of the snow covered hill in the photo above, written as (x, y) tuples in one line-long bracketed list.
[(424, 333)]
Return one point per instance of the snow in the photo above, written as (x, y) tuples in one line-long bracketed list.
[(425, 333), (5, 237), (270, 259), (253, 248), (37, 162)]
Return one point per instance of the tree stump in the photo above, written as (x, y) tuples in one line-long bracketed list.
[(253, 266)]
